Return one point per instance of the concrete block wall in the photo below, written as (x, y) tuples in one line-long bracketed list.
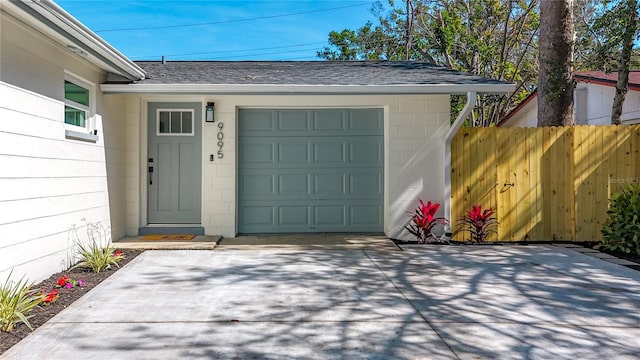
[(415, 127), (415, 164)]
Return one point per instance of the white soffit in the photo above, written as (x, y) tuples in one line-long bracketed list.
[(305, 89), (51, 20)]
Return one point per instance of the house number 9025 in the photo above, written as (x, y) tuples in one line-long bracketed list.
[(220, 136)]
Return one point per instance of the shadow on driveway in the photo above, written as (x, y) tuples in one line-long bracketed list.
[(533, 302)]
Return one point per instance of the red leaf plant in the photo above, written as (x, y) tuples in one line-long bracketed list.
[(478, 223), (423, 220), (63, 281), (51, 297)]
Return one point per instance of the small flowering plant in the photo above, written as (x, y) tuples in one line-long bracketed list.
[(50, 297), (479, 223), (68, 283), (423, 221)]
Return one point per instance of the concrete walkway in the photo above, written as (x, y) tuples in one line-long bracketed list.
[(427, 302)]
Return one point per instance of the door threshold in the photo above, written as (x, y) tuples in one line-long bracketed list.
[(171, 229)]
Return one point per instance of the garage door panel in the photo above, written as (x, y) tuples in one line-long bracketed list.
[(289, 215), (362, 151), (254, 120), (329, 184), (330, 150), (323, 216), (293, 151), (257, 153), (293, 120), (321, 184), (365, 183), (329, 120), (366, 119), (330, 215), (257, 184), (365, 215), (326, 165), (257, 215), (312, 152), (293, 184)]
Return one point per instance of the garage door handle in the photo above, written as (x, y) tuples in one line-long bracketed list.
[(150, 175)]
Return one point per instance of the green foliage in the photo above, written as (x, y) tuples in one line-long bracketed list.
[(601, 27), (16, 300), (97, 258), (621, 231), (344, 41), (490, 38)]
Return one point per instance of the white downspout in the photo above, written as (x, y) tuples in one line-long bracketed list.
[(468, 107)]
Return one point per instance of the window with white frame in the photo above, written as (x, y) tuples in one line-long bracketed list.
[(77, 102)]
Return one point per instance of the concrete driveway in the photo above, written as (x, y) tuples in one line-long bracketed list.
[(428, 302)]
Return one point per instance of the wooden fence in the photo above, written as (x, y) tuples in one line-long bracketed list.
[(550, 183)]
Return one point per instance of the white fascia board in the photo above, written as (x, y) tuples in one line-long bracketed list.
[(305, 89), (98, 51)]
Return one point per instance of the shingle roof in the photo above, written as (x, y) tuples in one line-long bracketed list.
[(305, 73)]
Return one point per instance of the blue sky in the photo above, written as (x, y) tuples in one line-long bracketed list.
[(237, 30)]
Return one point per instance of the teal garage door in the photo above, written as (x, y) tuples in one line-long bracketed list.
[(310, 170)]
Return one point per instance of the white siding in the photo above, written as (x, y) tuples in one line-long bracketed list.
[(50, 186), (415, 127), (600, 101), (526, 117), (592, 106)]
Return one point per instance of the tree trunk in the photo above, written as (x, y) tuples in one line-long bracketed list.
[(625, 58), (555, 84), (409, 29)]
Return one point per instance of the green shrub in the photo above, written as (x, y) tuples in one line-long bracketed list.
[(621, 231), (16, 300), (97, 258)]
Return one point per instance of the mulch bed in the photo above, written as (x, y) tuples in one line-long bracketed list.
[(65, 298)]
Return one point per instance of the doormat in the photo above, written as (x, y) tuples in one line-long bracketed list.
[(181, 237)]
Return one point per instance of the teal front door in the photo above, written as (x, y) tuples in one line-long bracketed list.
[(174, 163), (310, 170)]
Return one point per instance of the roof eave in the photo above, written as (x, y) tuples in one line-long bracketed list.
[(289, 89), (524, 106), (54, 21)]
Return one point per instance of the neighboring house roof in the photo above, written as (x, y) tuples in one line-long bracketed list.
[(608, 79), (524, 105), (53, 21), (592, 77), (306, 77)]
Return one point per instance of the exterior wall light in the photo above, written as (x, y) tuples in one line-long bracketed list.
[(208, 114)]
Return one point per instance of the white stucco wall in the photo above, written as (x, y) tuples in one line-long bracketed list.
[(415, 127), (50, 185)]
